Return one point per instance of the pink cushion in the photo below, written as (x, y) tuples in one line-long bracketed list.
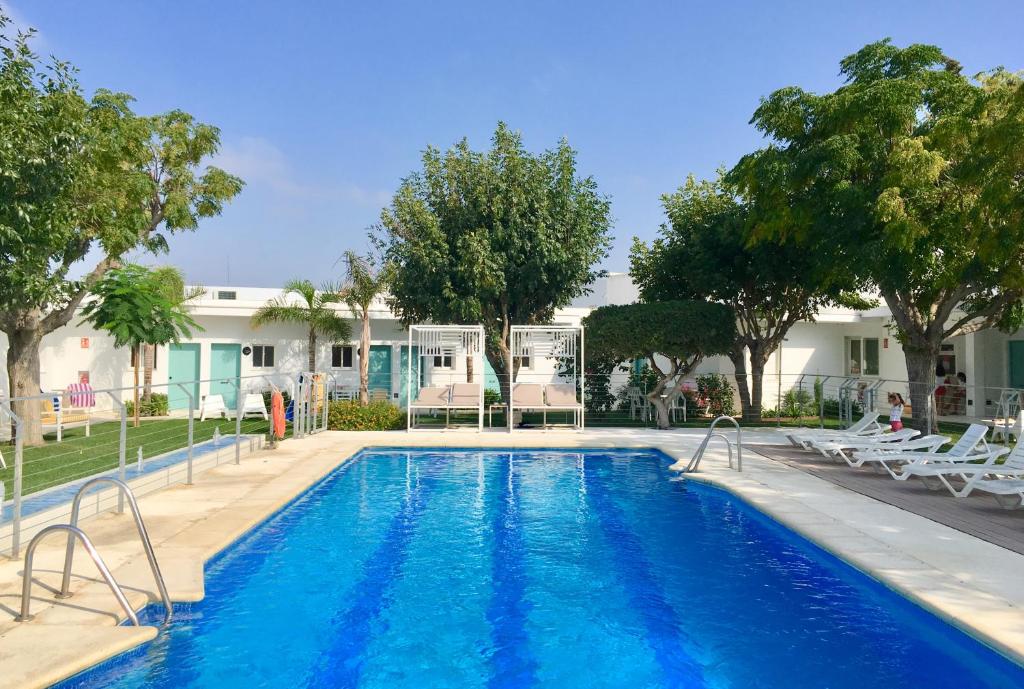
[(561, 395)]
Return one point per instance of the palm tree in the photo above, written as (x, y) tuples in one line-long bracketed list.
[(172, 286), (314, 311), (365, 280)]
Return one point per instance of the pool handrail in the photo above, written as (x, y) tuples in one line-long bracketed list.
[(695, 461), (140, 526), (73, 532)]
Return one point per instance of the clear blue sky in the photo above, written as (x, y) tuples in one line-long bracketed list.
[(325, 106)]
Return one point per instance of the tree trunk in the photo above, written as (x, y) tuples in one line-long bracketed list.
[(135, 387), (312, 351), (149, 363), (661, 408), (752, 414), (364, 360), (739, 364), (921, 362), (469, 368), (23, 374)]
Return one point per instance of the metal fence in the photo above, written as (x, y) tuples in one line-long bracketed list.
[(181, 433)]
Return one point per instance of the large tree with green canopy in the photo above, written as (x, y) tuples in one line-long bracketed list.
[(703, 253), (83, 177), (671, 336), (910, 176), (500, 238)]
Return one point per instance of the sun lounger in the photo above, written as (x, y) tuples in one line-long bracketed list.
[(889, 455), (60, 416), (971, 447), (867, 425), (989, 475), (834, 447)]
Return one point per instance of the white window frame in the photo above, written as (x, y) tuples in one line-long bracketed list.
[(351, 357), (863, 362), (448, 354), (263, 356)]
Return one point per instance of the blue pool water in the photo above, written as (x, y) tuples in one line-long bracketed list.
[(565, 569)]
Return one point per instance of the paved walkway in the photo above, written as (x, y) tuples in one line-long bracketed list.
[(978, 514)]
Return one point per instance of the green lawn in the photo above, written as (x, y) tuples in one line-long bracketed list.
[(77, 456)]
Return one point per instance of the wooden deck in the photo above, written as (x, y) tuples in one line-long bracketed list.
[(978, 515)]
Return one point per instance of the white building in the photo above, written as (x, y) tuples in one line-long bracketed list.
[(839, 343)]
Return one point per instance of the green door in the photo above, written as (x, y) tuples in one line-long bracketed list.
[(225, 367), (182, 367), (1017, 363), (380, 369), (417, 374)]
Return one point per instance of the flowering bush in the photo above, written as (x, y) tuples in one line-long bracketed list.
[(376, 416), (714, 393)]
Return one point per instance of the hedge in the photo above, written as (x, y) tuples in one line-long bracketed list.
[(376, 416)]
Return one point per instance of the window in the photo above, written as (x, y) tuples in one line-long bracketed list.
[(862, 354), (341, 356), (263, 356), (524, 361), (227, 294), (443, 360)]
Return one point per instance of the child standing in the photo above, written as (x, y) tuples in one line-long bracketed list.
[(896, 405)]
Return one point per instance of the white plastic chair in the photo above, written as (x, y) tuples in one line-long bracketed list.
[(213, 405), (1003, 433), (253, 404)]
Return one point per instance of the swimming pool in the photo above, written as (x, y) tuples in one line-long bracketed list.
[(526, 568)]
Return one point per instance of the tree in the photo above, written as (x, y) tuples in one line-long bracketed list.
[(365, 281), (704, 253), (672, 336), (904, 175), (131, 304), (82, 176), (315, 312), (497, 238), (172, 287)]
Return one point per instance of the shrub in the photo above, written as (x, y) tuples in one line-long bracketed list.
[(491, 397), (376, 416), (715, 393), (155, 406), (797, 403)]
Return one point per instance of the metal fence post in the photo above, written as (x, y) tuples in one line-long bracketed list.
[(19, 449), (122, 446), (239, 406), (191, 432)]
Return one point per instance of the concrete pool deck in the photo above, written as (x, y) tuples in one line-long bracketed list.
[(966, 580)]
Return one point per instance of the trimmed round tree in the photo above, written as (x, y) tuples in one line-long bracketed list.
[(672, 336)]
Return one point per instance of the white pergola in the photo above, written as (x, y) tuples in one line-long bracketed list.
[(459, 342), (559, 386)]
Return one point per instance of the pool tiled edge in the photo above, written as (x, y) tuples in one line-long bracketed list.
[(190, 525)]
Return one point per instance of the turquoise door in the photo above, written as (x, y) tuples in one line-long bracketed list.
[(1017, 363), (417, 374), (380, 369), (225, 367), (182, 367)]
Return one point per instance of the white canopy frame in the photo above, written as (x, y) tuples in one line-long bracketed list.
[(460, 342), (562, 344)]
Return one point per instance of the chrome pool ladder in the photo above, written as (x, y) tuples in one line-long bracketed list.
[(694, 462), (75, 533)]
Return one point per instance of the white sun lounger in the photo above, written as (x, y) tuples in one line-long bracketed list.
[(888, 455), (867, 426), (834, 447), (933, 465), (988, 476)]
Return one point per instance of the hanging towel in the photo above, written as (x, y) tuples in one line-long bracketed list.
[(277, 414)]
